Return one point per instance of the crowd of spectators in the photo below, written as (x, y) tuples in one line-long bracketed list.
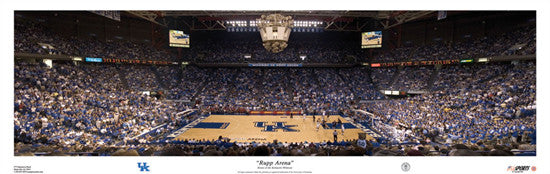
[(432, 78), (361, 83), (413, 78), (297, 89), (321, 89), (521, 41), (34, 37), (181, 84), (232, 47), (27, 36), (382, 77), (141, 78), (316, 47), (480, 105), (82, 105)]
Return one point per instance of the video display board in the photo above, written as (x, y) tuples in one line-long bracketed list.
[(178, 39), (371, 39)]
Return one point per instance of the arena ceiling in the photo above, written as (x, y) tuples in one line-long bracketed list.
[(335, 20)]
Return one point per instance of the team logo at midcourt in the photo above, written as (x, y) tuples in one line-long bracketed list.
[(276, 126), (520, 169)]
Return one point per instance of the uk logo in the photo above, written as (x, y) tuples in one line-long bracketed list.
[(276, 126), (144, 167)]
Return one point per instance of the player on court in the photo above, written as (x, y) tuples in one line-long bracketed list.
[(343, 128), (318, 124), (335, 133)]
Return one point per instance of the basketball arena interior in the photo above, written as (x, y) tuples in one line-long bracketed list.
[(274, 83)]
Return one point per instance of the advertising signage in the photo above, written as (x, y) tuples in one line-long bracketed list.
[(416, 63), (134, 61), (93, 59), (467, 61), (275, 65)]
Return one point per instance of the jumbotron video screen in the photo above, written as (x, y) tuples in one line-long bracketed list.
[(372, 39), (179, 39)]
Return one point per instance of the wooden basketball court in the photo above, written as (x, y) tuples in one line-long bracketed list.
[(266, 128)]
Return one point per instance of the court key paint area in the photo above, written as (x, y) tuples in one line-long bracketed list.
[(264, 128)]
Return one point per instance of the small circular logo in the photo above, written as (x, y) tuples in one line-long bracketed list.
[(405, 167), (534, 168)]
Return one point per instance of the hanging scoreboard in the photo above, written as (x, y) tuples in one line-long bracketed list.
[(178, 39), (371, 39)]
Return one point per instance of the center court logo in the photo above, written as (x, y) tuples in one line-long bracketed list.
[(276, 126), (143, 167)]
